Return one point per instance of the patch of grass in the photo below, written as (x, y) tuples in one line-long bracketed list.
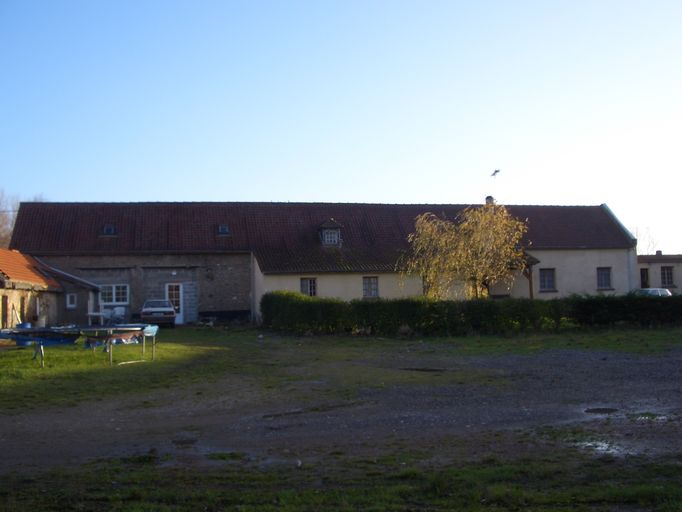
[(529, 484), (73, 374), (321, 368), (639, 341)]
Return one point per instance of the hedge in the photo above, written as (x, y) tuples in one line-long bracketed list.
[(298, 313), (295, 312)]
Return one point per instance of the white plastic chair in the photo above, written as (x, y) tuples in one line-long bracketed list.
[(118, 315)]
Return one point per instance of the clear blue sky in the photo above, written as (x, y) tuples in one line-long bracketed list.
[(576, 102)]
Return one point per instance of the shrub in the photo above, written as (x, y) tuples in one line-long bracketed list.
[(298, 313), (589, 311)]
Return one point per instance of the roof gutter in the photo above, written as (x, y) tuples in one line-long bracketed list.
[(67, 276)]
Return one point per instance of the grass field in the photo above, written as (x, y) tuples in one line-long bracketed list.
[(73, 374), (563, 479), (561, 483)]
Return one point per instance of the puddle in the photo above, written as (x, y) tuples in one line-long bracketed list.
[(315, 408), (293, 412), (648, 417), (192, 452), (603, 448), (601, 410), (184, 442), (426, 370)]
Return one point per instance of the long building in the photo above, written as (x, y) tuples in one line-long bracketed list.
[(218, 259)]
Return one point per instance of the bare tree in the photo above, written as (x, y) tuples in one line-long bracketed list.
[(646, 243), (8, 212), (479, 248)]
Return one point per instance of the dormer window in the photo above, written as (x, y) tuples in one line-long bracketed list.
[(223, 230), (109, 230), (330, 233), (331, 236)]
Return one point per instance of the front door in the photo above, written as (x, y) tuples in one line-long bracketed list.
[(644, 277), (174, 295)]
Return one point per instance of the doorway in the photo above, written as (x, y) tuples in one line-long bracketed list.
[(644, 277), (4, 312), (174, 295)]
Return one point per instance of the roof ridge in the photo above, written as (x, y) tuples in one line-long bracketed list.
[(294, 203)]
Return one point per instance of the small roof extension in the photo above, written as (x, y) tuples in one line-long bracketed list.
[(21, 271)]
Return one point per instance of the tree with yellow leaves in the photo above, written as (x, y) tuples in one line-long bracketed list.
[(479, 248)]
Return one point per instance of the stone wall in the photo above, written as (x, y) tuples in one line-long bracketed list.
[(85, 302), (39, 308), (212, 284)]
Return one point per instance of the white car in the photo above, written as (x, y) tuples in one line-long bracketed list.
[(653, 292), (158, 312)]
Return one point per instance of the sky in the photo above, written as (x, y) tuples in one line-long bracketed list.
[(575, 102)]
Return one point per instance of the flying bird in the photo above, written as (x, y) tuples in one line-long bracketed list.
[(495, 172)]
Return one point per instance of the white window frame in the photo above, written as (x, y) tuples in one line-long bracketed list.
[(370, 287), (309, 286), (331, 236), (115, 289), (71, 300)]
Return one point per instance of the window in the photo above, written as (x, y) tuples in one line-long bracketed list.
[(71, 301), (604, 278), (223, 229), (547, 280), (309, 286), (113, 294), (667, 277), (331, 236), (109, 230), (370, 287)]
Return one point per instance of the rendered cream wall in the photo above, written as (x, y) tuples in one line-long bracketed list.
[(257, 287), (341, 286), (576, 272), (346, 286), (655, 275)]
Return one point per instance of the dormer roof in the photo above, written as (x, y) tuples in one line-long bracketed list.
[(330, 223)]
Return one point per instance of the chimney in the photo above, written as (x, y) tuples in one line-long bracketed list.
[(659, 253), (489, 200)]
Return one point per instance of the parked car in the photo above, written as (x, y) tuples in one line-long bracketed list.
[(653, 292), (159, 312)]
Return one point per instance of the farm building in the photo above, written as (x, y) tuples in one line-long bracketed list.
[(35, 293), (218, 259)]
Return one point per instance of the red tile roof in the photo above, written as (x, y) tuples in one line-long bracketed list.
[(22, 269), (284, 236)]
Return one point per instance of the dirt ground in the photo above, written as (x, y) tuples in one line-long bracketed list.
[(598, 402)]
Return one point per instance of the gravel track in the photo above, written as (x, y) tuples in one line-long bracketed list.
[(627, 404)]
